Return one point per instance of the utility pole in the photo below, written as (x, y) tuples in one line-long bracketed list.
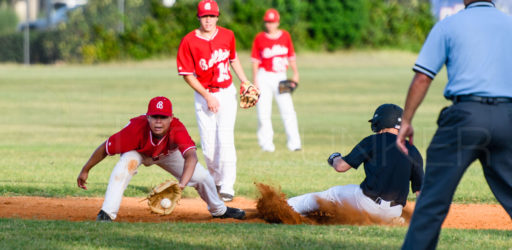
[(26, 44), (120, 7), (48, 6)]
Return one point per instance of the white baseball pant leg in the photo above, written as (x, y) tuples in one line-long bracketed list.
[(218, 138), (201, 180), (264, 109), (306, 203), (121, 175), (269, 85), (349, 194)]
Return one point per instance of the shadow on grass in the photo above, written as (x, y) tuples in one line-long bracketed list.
[(28, 234), (24, 234), (65, 189)]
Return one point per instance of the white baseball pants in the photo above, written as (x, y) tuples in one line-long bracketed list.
[(173, 163), (218, 138), (269, 86), (348, 194)]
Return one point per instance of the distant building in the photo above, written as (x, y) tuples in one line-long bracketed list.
[(38, 6), (68, 3), (444, 8), (20, 7)]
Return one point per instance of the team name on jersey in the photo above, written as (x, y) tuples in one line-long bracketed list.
[(219, 55), (276, 50)]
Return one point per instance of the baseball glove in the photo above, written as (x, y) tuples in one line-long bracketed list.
[(170, 190), (249, 95), (287, 86)]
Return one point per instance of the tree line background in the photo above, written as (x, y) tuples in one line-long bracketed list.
[(93, 32)]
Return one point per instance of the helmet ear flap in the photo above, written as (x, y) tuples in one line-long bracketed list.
[(374, 124)]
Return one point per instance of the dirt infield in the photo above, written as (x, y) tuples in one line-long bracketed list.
[(469, 216)]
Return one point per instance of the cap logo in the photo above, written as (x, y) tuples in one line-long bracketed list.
[(160, 105), (271, 16), (207, 6)]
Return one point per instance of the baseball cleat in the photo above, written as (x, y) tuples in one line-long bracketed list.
[(226, 197), (103, 217), (234, 213)]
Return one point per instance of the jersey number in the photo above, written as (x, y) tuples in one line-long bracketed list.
[(279, 64), (223, 72)]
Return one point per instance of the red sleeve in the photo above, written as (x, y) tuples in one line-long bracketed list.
[(184, 60), (125, 140), (179, 136), (291, 49), (232, 47), (255, 55)]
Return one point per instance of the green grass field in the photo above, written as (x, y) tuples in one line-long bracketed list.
[(53, 117)]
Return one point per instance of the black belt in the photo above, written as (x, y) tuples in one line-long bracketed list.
[(481, 99), (378, 200)]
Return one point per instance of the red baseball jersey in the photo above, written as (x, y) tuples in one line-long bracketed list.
[(273, 54), (208, 59), (137, 136)]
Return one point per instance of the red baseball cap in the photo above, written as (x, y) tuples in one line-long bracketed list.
[(160, 105), (207, 7), (271, 15)]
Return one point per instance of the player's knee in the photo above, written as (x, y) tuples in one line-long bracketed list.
[(130, 161)]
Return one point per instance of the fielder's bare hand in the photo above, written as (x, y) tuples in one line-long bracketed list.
[(406, 131), (295, 77), (82, 180)]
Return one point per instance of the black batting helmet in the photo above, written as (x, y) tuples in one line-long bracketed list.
[(386, 116)]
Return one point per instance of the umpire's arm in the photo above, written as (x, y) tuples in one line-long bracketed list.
[(417, 91)]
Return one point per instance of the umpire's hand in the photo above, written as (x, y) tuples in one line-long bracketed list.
[(406, 131)]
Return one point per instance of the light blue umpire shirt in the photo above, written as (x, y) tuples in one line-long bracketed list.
[(476, 46)]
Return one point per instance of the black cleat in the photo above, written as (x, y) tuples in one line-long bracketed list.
[(234, 213), (103, 217), (226, 197)]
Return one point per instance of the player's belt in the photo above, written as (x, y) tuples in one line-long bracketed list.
[(379, 200), (213, 89), (481, 99)]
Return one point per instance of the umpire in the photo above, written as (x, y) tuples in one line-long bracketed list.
[(476, 46)]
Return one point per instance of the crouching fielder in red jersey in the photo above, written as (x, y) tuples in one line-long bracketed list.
[(155, 138)]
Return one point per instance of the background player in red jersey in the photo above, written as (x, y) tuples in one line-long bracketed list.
[(204, 57), (155, 138), (272, 53)]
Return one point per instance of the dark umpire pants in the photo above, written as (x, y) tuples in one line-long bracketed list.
[(467, 131)]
